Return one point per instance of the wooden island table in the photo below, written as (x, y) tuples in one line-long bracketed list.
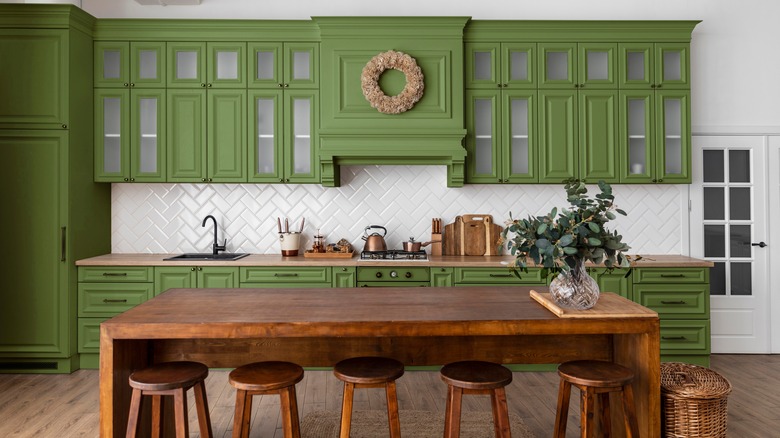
[(418, 326)]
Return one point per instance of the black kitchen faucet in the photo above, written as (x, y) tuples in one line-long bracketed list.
[(216, 248)]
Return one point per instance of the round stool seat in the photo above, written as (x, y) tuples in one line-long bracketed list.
[(595, 373), (169, 375), (368, 370), (474, 374), (266, 376)]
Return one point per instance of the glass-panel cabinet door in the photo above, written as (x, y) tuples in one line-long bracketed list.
[(519, 130), (301, 64), (147, 65), (226, 65), (518, 62), (147, 147), (186, 65), (482, 65), (300, 144), (265, 136), (672, 66), (673, 127), (265, 65), (112, 65), (557, 63), (597, 66), (112, 135), (637, 140), (636, 65), (482, 136)]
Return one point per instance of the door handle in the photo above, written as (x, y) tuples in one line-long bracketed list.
[(63, 243), (759, 244)]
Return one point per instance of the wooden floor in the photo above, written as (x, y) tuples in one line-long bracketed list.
[(67, 405)]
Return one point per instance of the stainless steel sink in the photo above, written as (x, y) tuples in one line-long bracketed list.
[(208, 256)]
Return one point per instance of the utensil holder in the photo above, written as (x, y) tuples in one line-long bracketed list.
[(290, 243)]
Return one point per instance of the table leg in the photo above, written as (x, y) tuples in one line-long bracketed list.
[(118, 359)]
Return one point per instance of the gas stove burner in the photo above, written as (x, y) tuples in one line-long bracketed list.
[(394, 254)]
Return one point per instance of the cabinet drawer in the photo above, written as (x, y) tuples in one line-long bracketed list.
[(671, 275), (285, 275), (685, 337), (674, 301), (89, 334), (498, 276), (109, 299), (109, 274)]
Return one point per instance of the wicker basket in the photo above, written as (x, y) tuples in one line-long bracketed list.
[(693, 401)]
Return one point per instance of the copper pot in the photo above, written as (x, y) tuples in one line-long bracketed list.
[(413, 246)]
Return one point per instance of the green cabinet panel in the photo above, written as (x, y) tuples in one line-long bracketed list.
[(170, 277), (685, 337), (283, 65), (496, 276), (186, 65), (500, 65), (688, 301), (134, 64), (344, 276), (186, 136), (441, 277), (226, 136), (120, 274), (597, 65), (648, 65), (558, 132), (557, 65), (226, 65), (671, 275), (615, 281), (89, 335), (598, 134), (217, 277), (206, 65), (285, 274), (109, 299)]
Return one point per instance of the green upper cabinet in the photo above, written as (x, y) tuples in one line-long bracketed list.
[(654, 65), (578, 65), (283, 65), (206, 65), (500, 65), (129, 64)]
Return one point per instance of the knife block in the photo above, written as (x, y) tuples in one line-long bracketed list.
[(436, 244)]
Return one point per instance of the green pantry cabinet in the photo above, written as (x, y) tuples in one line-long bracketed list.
[(53, 212)]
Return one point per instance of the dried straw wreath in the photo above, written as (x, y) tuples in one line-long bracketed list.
[(411, 93)]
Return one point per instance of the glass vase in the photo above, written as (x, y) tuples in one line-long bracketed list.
[(575, 289)]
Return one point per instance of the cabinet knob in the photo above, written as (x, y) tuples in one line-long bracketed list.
[(658, 86), (281, 85), (203, 179), (126, 179), (64, 126), (209, 85), (660, 180), (192, 269), (378, 275), (132, 84), (287, 180), (132, 179), (500, 85), (655, 180), (576, 85), (125, 84), (210, 180), (343, 269), (281, 179), (200, 269), (582, 85), (286, 85), (203, 85), (506, 85)]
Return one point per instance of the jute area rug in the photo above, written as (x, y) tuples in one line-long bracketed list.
[(414, 424)]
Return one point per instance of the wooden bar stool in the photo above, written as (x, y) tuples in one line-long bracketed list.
[(595, 377), (476, 377), (369, 372), (170, 378), (263, 378)]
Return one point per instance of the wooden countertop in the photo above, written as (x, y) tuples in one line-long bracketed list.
[(648, 261)]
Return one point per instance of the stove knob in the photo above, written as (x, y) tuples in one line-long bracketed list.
[(378, 275), (393, 274), (408, 275)]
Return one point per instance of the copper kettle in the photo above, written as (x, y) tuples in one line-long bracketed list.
[(374, 241)]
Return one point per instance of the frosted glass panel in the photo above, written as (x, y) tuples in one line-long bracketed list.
[(739, 166), (740, 240), (557, 66), (637, 137), (739, 203), (672, 68), (227, 65), (672, 136), (483, 66), (265, 136), (301, 65), (598, 65), (148, 128), (713, 166), (483, 129), (635, 66), (714, 203), (112, 142), (718, 279), (518, 66), (186, 65), (112, 63), (148, 64), (741, 278), (519, 132), (302, 135), (265, 65), (714, 241)]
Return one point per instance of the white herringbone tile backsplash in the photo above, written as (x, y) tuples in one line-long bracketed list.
[(166, 218)]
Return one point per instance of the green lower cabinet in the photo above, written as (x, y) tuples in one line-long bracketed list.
[(344, 276), (89, 342), (222, 277), (685, 341), (441, 277), (286, 277), (498, 276), (615, 281)]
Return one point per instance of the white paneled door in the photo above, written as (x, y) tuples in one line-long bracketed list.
[(729, 227), (773, 193)]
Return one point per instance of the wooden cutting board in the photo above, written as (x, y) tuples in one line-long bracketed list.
[(451, 242), (609, 305), (492, 233), (474, 238)]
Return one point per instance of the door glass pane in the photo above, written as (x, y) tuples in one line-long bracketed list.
[(186, 65), (483, 66), (301, 65), (672, 67), (265, 65), (718, 279), (227, 65), (598, 65), (739, 240), (637, 136), (148, 67), (112, 64), (714, 169), (518, 66), (302, 135), (483, 130), (112, 142), (673, 135), (741, 278), (265, 136), (739, 203), (148, 127), (557, 66), (714, 241), (739, 166), (635, 68), (519, 132), (714, 204)]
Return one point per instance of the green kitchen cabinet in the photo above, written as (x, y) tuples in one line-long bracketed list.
[(496, 65), (288, 65), (501, 136), (206, 135), (441, 277), (283, 132), (124, 64), (169, 277), (130, 135), (288, 276), (344, 276), (577, 65), (654, 66), (498, 276), (613, 281), (206, 65)]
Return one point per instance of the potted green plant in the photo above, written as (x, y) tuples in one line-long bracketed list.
[(562, 242)]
